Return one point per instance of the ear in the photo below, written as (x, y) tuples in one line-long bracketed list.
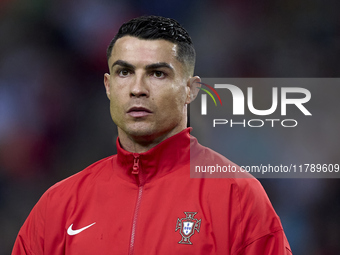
[(107, 84), (193, 86)]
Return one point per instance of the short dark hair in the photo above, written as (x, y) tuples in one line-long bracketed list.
[(157, 27)]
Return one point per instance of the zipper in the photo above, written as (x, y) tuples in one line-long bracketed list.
[(135, 170), (134, 223)]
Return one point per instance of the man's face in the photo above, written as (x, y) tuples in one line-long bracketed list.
[(148, 89)]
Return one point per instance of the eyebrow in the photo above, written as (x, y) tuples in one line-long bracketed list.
[(151, 66), (159, 65), (123, 64)]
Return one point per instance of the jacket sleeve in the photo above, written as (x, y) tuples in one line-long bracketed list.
[(30, 240), (261, 228), (273, 243)]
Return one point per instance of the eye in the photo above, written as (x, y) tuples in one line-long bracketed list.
[(158, 74), (123, 72)]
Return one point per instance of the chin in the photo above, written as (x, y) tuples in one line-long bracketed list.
[(142, 132), (147, 135)]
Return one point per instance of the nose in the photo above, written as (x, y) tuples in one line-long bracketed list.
[(139, 88)]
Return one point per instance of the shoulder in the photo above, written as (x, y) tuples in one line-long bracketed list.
[(207, 163), (61, 198), (257, 222), (82, 179), (226, 176)]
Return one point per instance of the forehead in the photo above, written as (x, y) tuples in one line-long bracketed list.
[(144, 52)]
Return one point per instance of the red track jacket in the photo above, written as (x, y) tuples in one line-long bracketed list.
[(147, 204)]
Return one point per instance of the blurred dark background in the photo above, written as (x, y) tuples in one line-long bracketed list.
[(54, 114)]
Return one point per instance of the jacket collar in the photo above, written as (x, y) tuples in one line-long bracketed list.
[(165, 157)]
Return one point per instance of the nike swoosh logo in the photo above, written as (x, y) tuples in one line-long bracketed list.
[(72, 232)]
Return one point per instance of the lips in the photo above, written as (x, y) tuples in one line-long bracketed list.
[(139, 112)]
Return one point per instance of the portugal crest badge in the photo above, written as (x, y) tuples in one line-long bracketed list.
[(187, 227)]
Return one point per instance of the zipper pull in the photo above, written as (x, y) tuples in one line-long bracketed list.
[(135, 168)]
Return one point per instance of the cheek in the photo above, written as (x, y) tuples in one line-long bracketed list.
[(179, 96), (174, 100), (113, 111), (116, 105)]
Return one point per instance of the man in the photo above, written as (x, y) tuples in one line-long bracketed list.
[(142, 200)]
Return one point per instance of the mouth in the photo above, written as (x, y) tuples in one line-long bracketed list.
[(138, 112)]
